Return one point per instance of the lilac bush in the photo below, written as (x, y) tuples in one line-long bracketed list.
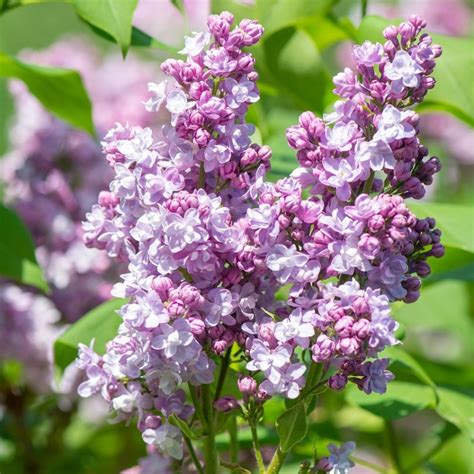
[(290, 283)]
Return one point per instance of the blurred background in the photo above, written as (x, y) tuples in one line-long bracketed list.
[(51, 173)]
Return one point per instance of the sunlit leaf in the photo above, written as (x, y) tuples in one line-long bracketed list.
[(60, 90), (17, 252), (100, 324), (112, 16), (400, 400), (292, 426)]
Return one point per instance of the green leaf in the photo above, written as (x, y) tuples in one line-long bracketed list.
[(442, 314), (184, 427), (292, 426), (323, 31), (17, 252), (112, 16), (60, 90), (178, 4), (458, 409), (140, 38), (396, 353), (100, 324), (454, 220), (454, 70), (279, 14), (456, 264), (400, 400), (294, 64)]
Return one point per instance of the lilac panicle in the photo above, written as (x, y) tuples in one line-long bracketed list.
[(209, 241)]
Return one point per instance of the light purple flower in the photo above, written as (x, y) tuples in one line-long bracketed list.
[(167, 438), (194, 45), (284, 261), (377, 154), (339, 173), (403, 71), (393, 125), (368, 54)]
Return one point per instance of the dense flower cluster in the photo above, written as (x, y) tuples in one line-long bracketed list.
[(52, 175), (209, 241)]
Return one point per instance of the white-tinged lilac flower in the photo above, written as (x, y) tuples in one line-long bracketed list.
[(222, 305), (177, 103), (347, 256), (138, 147), (294, 327), (263, 217), (393, 125), (147, 312), (239, 136), (284, 261), (240, 92), (339, 173), (339, 457), (341, 136), (290, 383), (269, 361), (215, 155), (96, 380), (167, 438), (195, 44), (377, 154), (382, 331), (159, 93), (219, 62), (368, 54), (403, 71), (184, 231), (176, 341)]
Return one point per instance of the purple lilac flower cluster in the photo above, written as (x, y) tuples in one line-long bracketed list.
[(52, 175), (209, 241)]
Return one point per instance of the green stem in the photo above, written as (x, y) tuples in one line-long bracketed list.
[(256, 448), (369, 183), (277, 462), (393, 446), (426, 457), (210, 452), (315, 373), (202, 176), (370, 465), (197, 404), (194, 457), (233, 440), (364, 5), (222, 373)]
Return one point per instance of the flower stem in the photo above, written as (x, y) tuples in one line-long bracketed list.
[(256, 448), (222, 373), (370, 465), (277, 461), (364, 5), (197, 404), (234, 440), (194, 457), (369, 183), (202, 177), (393, 446), (210, 452)]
